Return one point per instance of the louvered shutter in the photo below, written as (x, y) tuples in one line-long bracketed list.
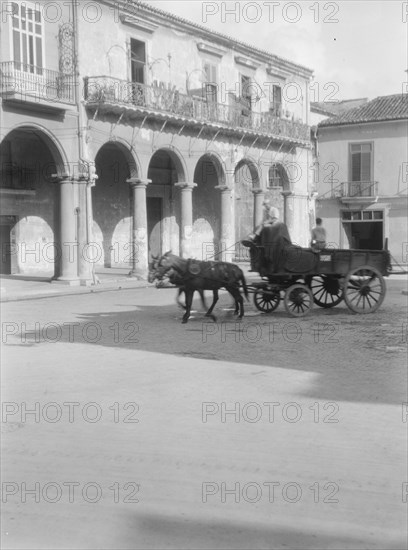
[(355, 166)]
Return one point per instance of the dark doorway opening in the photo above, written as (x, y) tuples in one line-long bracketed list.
[(5, 243), (365, 235), (154, 225)]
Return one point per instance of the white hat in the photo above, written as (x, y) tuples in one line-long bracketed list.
[(273, 212)]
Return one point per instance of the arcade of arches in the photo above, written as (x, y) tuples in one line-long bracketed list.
[(53, 224)]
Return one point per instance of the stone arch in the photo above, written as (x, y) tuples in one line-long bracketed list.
[(166, 168), (54, 145), (111, 202), (30, 155), (247, 179), (206, 232), (130, 156)]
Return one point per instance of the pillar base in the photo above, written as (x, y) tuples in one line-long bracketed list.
[(88, 282), (66, 281)]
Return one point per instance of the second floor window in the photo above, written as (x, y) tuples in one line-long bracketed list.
[(246, 97), (210, 72), (360, 162), (27, 38), (137, 60), (276, 106)]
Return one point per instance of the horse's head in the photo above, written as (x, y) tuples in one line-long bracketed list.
[(159, 266), (153, 268)]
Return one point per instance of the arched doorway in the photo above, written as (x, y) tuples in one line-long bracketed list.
[(112, 230), (29, 221), (206, 209), (246, 180), (163, 205)]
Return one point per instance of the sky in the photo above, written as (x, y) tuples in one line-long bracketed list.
[(355, 48)]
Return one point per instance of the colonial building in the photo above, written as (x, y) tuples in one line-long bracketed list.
[(127, 131), (363, 176)]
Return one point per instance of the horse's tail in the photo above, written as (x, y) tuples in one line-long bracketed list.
[(244, 285)]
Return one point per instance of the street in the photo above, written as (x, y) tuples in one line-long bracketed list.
[(123, 428)]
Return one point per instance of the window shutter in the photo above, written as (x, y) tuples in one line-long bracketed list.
[(355, 166), (365, 166)]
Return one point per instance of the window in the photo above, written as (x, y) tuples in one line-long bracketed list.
[(27, 38), (360, 162), (274, 177), (137, 60), (210, 84), (276, 106), (362, 215), (246, 98)]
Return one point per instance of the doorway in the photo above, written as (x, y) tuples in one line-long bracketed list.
[(364, 229), (366, 235), (6, 225)]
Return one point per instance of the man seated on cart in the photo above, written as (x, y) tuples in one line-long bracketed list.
[(273, 236)]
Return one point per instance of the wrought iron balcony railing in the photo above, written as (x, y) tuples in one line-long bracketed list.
[(356, 189), (32, 81), (104, 89)]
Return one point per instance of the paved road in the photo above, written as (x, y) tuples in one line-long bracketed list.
[(269, 433)]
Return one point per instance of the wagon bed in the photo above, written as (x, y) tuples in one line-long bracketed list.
[(325, 278)]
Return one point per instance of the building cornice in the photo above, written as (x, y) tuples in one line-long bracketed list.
[(167, 19), (248, 63), (139, 24), (210, 49)]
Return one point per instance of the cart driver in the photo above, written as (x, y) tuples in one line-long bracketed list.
[(272, 234)]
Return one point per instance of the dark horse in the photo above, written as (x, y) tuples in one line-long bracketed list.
[(174, 278), (205, 276)]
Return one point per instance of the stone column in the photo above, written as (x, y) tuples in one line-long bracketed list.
[(227, 248), (259, 195), (186, 228), (139, 228), (67, 245), (288, 210), (85, 254)]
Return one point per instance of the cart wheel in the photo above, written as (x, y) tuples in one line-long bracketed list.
[(298, 300), (266, 301), (364, 289), (326, 290)]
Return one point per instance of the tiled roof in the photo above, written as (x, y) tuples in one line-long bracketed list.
[(390, 107)]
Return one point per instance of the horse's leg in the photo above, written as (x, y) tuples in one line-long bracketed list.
[(236, 306), (215, 300), (189, 299), (236, 294), (179, 302), (201, 292)]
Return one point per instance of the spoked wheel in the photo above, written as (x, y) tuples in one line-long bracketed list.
[(326, 290), (298, 300), (266, 300), (364, 289)]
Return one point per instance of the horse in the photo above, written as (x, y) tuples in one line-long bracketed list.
[(198, 275), (174, 279)]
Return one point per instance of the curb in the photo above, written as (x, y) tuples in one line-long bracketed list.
[(77, 292)]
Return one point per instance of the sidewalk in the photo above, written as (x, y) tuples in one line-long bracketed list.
[(19, 287)]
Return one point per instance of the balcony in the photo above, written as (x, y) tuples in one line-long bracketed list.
[(358, 192), (36, 86), (111, 95)]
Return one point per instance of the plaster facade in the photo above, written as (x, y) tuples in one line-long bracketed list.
[(170, 135), (385, 193)]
